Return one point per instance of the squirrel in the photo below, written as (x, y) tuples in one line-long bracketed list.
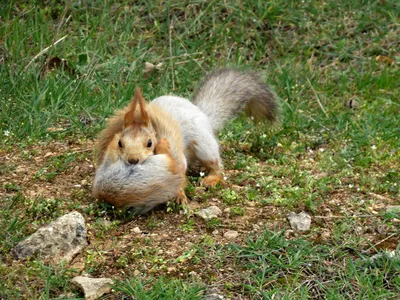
[(145, 149)]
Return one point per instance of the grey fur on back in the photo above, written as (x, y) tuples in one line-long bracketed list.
[(226, 92)]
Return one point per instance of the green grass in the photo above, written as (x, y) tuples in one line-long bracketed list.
[(277, 266), (323, 157), (160, 289)]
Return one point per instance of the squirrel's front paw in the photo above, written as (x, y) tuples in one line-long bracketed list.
[(162, 147), (181, 197)]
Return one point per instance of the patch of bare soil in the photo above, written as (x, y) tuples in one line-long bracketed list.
[(174, 243)]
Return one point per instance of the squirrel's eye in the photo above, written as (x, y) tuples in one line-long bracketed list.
[(119, 144), (149, 143)]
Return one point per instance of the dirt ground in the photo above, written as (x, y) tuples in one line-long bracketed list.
[(165, 242)]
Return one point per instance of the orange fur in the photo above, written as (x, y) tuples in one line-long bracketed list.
[(214, 174), (140, 133), (128, 125), (167, 127), (163, 123), (132, 117), (114, 126), (163, 148)]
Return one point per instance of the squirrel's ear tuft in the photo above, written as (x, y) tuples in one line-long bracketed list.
[(130, 117), (144, 116)]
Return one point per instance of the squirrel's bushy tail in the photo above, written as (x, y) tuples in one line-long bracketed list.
[(226, 92)]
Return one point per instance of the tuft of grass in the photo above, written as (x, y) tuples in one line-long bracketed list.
[(50, 281), (12, 224), (161, 288), (298, 269)]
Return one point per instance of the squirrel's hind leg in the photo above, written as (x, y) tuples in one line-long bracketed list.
[(207, 153), (214, 175)]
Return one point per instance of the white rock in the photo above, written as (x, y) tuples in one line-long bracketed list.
[(148, 67), (213, 294), (137, 230), (209, 212), (93, 288), (62, 239), (21, 170), (171, 269), (214, 297), (299, 222), (231, 234)]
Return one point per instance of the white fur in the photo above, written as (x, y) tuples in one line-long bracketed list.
[(119, 180), (222, 95), (198, 138)]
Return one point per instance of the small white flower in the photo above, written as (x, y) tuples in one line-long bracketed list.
[(351, 186), (321, 149), (264, 136), (373, 147), (225, 178), (7, 132), (202, 174)]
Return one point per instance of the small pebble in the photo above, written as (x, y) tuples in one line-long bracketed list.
[(231, 234), (136, 230)]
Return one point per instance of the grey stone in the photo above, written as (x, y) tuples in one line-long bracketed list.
[(213, 294), (231, 234), (299, 222), (62, 239), (209, 212), (93, 288), (136, 230), (227, 211)]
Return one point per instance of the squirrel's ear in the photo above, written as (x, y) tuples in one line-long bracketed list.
[(144, 116), (130, 117)]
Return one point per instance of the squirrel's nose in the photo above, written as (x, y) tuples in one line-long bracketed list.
[(133, 161)]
